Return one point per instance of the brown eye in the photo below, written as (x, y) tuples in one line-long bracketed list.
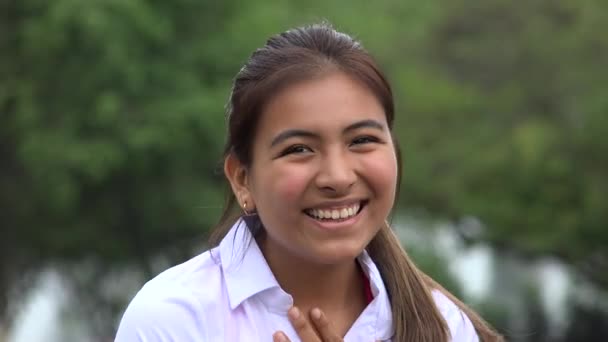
[(364, 140), (295, 149)]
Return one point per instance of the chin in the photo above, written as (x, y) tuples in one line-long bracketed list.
[(338, 255)]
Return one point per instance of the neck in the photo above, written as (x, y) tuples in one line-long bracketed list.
[(333, 288)]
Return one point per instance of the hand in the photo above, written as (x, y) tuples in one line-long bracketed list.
[(306, 331)]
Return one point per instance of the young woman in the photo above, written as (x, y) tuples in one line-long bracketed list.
[(304, 250)]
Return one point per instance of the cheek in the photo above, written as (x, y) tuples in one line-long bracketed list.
[(381, 172), (288, 185)]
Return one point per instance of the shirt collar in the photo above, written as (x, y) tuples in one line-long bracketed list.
[(382, 321), (245, 269), (247, 273)]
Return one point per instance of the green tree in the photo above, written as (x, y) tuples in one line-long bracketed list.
[(110, 136), (506, 118)]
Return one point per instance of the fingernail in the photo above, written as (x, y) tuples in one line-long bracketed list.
[(279, 337), (294, 313), (316, 313)]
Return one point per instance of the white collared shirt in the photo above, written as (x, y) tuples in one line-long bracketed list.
[(230, 294)]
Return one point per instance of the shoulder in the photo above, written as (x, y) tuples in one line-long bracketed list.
[(461, 328), (174, 305)]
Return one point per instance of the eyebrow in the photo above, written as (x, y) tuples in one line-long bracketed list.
[(291, 133)]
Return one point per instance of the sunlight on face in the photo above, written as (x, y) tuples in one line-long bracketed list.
[(324, 170)]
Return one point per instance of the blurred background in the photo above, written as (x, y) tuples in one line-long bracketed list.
[(112, 126)]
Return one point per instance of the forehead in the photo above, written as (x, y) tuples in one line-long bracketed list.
[(332, 101)]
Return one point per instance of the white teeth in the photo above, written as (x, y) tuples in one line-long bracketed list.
[(335, 214), (344, 213)]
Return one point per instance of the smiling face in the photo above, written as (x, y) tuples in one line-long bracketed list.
[(324, 171)]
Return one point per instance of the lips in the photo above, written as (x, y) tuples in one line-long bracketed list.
[(335, 213)]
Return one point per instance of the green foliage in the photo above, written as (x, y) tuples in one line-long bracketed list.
[(110, 108), (509, 131)]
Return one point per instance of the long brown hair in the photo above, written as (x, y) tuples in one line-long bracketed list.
[(304, 53)]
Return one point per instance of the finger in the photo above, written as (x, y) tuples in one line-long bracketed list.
[(302, 326), (325, 329), (280, 336)]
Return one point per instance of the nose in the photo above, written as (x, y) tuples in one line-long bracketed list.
[(336, 174)]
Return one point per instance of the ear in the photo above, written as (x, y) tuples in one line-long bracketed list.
[(237, 175)]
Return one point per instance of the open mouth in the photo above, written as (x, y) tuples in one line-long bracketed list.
[(336, 214)]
